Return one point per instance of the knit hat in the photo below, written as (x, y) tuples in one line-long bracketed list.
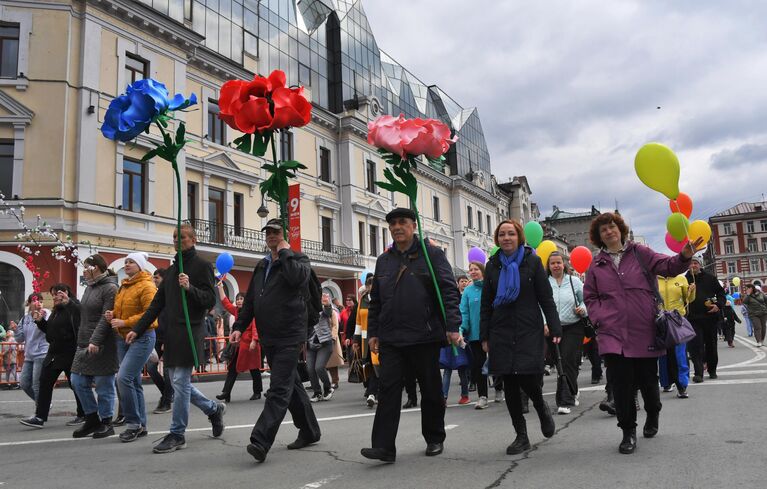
[(141, 259), (699, 259)]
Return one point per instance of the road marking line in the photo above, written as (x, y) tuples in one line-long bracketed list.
[(744, 372), (321, 482), (451, 426), (760, 355)]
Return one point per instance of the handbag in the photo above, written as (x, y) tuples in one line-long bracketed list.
[(303, 372), (228, 353), (453, 360), (671, 328), (356, 371), (589, 331)]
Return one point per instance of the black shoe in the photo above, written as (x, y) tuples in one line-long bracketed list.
[(681, 393), (433, 449), (170, 443), (472, 387), (224, 397), (92, 423), (76, 421), (547, 421), (608, 406), (521, 444), (595, 380), (32, 422), (712, 375), (525, 408), (217, 420), (697, 379), (105, 429), (256, 396), (411, 403), (629, 442), (650, 426), (379, 454), (119, 421), (301, 443), (257, 452), (131, 434), (163, 407)]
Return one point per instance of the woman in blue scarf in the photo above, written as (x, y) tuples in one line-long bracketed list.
[(515, 291)]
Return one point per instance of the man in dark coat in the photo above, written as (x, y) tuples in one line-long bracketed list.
[(704, 314), (407, 329), (276, 299), (197, 282)]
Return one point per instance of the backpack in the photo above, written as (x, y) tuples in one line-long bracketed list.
[(313, 301)]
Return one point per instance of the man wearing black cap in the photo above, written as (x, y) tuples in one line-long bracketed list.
[(275, 299), (406, 328)]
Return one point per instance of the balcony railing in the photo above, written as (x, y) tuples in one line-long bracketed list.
[(226, 235)]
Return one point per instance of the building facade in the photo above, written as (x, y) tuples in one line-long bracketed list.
[(572, 227), (740, 243), (64, 60)]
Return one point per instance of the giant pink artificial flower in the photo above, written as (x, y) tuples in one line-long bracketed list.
[(410, 137)]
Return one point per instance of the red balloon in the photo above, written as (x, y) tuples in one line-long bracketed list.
[(580, 259), (674, 245), (683, 204)]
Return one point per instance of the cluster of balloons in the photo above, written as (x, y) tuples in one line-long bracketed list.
[(224, 264), (658, 168)]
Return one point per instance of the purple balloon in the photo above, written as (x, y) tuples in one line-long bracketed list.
[(476, 254)]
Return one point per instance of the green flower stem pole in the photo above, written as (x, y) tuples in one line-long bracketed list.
[(282, 201), (184, 305)]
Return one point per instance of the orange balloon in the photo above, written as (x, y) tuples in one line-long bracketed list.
[(683, 204)]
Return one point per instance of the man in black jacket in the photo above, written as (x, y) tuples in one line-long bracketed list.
[(276, 299), (704, 314), (197, 282), (406, 328)]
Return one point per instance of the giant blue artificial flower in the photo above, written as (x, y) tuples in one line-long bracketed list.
[(131, 113)]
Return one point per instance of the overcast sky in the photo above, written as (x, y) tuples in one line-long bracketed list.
[(568, 92)]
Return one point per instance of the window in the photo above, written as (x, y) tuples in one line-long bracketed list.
[(749, 226), (763, 225), (729, 248), (9, 50), (6, 168), (238, 214), (489, 225), (764, 244), (133, 185), (727, 228), (327, 241), (325, 174), (373, 240), (188, 10), (304, 75), (755, 264), (361, 228), (752, 246), (286, 145), (470, 214), (216, 214), (370, 172), (385, 237), (731, 267), (216, 127), (191, 202), (136, 68), (435, 204), (479, 221)]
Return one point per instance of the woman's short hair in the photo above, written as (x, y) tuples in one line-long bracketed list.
[(160, 272), (607, 218), (479, 265), (60, 287), (517, 226), (239, 294), (560, 255), (750, 287), (97, 261)]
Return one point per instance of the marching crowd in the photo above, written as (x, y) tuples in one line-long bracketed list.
[(504, 326)]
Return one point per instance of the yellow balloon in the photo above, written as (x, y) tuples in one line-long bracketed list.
[(545, 249), (699, 229), (736, 281), (658, 168)]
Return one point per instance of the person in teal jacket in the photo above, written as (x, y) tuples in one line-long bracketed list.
[(470, 305)]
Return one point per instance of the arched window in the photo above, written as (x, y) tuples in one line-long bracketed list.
[(11, 294)]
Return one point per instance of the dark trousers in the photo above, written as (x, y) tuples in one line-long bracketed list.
[(592, 352), (703, 347), (478, 357), (371, 385), (423, 361), (410, 387), (729, 331), (286, 393), (48, 377), (162, 382), (570, 349), (628, 374), (231, 375), (514, 386)]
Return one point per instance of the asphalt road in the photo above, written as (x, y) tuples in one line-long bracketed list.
[(713, 439)]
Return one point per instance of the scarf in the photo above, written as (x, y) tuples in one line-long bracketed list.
[(508, 282), (95, 280)]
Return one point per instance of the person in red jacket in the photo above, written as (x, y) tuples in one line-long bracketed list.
[(247, 354)]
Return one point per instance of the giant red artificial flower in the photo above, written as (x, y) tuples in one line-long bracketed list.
[(410, 137)]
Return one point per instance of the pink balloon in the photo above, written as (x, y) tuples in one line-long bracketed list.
[(674, 245)]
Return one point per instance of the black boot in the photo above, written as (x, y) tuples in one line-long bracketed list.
[(608, 404), (521, 443), (226, 392), (105, 429), (92, 423), (629, 442), (547, 420), (525, 403), (651, 425)]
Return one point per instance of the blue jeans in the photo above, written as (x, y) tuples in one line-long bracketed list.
[(132, 359), (184, 394), (673, 368), (30, 377), (105, 389), (463, 375)]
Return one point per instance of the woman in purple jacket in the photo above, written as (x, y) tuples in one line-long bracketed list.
[(620, 300)]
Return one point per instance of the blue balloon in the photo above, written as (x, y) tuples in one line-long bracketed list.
[(224, 263), (364, 276), (736, 295)]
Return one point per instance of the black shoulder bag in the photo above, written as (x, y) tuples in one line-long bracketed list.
[(588, 328)]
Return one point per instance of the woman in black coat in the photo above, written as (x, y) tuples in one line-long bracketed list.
[(511, 327)]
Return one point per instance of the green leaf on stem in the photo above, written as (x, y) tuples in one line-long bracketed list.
[(293, 165), (243, 143), (151, 154), (180, 134), (261, 143)]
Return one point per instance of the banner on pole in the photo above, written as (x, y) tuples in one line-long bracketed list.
[(294, 217)]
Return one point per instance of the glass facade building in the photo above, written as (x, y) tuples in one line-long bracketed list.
[(329, 47)]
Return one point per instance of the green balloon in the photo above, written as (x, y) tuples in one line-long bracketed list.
[(533, 234), (677, 226), (494, 250)]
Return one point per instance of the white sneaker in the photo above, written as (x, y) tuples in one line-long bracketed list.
[(315, 398), (499, 396), (328, 396), (481, 403), (578, 398), (759, 344), (371, 400), (563, 410)]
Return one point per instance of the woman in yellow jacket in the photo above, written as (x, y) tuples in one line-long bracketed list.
[(132, 300), (674, 368)]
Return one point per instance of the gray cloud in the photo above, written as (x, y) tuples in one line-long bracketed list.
[(730, 159)]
